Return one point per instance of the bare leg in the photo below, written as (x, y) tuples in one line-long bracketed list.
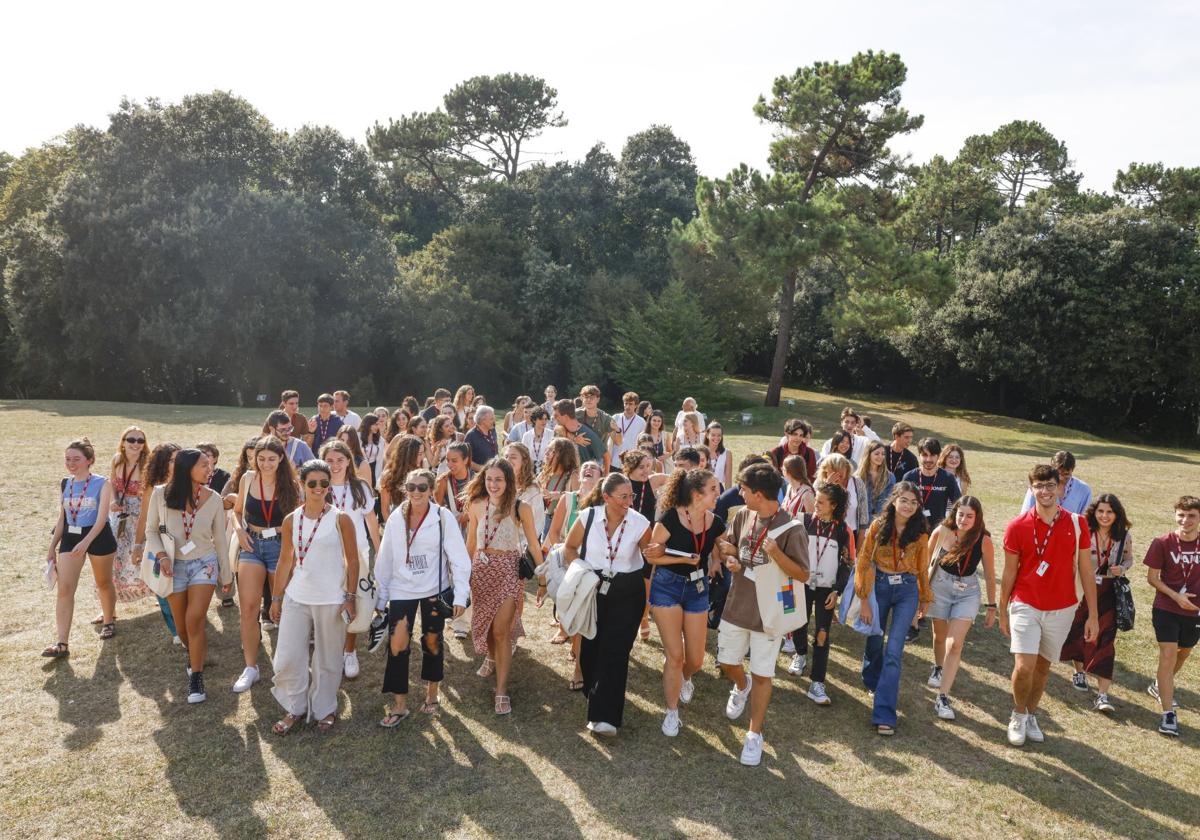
[(501, 647), (102, 571), (250, 584), (953, 637), (1022, 680), (759, 698), (64, 603), (670, 630), (940, 628), (198, 598)]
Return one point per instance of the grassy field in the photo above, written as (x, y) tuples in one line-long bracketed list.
[(104, 744)]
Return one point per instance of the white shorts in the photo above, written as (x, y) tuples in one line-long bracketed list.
[(1039, 631), (734, 641)]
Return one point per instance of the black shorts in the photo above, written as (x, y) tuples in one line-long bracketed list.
[(105, 542), (1173, 628)]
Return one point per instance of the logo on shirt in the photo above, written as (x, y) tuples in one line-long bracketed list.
[(1184, 558)]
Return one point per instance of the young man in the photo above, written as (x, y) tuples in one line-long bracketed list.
[(446, 491), (289, 403), (1047, 555), (755, 537), (341, 407), (849, 422), (482, 437), (1174, 564), (900, 460), (281, 426), (440, 397), (592, 415), (629, 426), (730, 501), (326, 424), (864, 428), (538, 437), (796, 433), (1074, 494), (936, 488), (587, 441)]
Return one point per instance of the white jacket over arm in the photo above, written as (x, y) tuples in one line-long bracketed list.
[(408, 574)]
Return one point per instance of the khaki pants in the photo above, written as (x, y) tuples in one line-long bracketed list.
[(302, 685)]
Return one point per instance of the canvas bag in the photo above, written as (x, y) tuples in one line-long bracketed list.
[(158, 583), (781, 605)]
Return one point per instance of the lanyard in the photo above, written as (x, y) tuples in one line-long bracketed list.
[(1040, 547), (410, 534), (1102, 554), (965, 557), (755, 546), (189, 520), (457, 486), (925, 494), (489, 532), (73, 506), (821, 546), (537, 447), (339, 499), (302, 546), (322, 428), (124, 492), (268, 510), (626, 426), (614, 548), (697, 542), (637, 500)]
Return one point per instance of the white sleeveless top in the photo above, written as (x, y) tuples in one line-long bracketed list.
[(321, 579), (627, 557), (343, 500)]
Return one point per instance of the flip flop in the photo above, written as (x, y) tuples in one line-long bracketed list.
[(392, 719)]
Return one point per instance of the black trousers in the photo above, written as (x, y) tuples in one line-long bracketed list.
[(604, 660), (823, 621), (395, 675)]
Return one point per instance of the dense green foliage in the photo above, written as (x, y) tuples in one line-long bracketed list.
[(193, 252)]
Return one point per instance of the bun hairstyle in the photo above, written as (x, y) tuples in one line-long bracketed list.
[(85, 448), (605, 488), (683, 486), (837, 496)]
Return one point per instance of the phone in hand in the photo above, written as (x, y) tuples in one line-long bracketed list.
[(345, 613)]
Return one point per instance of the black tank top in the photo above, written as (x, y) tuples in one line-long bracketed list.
[(643, 498), (959, 567), (256, 513), (683, 539)]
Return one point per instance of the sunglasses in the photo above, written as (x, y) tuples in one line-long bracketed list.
[(417, 488), (132, 440), (312, 485)]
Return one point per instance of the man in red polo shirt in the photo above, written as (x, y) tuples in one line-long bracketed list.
[(1047, 558)]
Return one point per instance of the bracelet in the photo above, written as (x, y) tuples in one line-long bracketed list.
[(348, 596), (276, 598), (991, 606)]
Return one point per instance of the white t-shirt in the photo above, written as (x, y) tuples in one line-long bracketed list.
[(537, 448), (858, 445), (351, 419), (626, 556), (343, 500), (679, 420), (630, 428)]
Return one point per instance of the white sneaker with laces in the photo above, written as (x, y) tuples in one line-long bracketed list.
[(1152, 690), (942, 707), (686, 691), (599, 727), (1103, 704), (1032, 731), (789, 645), (737, 701), (175, 640), (1079, 681), (1016, 729), (248, 678), (752, 750), (935, 677), (816, 693), (797, 666), (671, 723), (350, 664)]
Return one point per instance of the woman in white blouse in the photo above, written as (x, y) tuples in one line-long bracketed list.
[(422, 566), (610, 537)]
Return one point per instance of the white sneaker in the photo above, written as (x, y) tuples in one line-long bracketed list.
[(671, 723), (816, 693), (797, 666), (196, 688), (1016, 729), (1032, 731), (935, 677), (350, 664), (599, 727), (686, 691), (1103, 704), (737, 701), (1152, 690), (752, 750), (789, 645), (942, 706), (248, 678), (175, 640)]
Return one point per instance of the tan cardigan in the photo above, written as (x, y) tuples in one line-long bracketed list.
[(208, 531)]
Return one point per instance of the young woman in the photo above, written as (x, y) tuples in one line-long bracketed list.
[(441, 435), (463, 408), (82, 533), (410, 404), (419, 427), (842, 443), (1112, 557), (656, 428), (615, 540), (353, 497), (893, 564), (194, 518), (319, 566), (125, 477), (800, 496), (560, 471), (397, 426), (690, 432), (877, 479), (838, 470), (266, 494), (421, 554), (683, 560), (405, 453), (158, 471), (349, 437), (957, 546), (831, 562), (495, 526), (529, 492), (954, 461), (637, 467), (722, 462)]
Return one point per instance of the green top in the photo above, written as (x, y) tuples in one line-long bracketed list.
[(594, 451)]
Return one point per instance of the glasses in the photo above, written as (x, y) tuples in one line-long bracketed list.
[(417, 488), (287, 430), (312, 485), (133, 440), (1044, 485)]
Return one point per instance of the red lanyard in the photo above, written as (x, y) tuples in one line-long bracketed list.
[(896, 555), (410, 534), (925, 494), (268, 510), (189, 520), (322, 428), (73, 506), (339, 499), (965, 557), (489, 532), (755, 546), (125, 484), (614, 548), (821, 546), (1102, 554), (697, 542), (1039, 548), (302, 547)]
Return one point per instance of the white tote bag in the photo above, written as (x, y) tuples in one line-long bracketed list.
[(155, 580), (781, 603)]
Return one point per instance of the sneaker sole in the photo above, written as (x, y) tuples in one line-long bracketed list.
[(823, 701), (746, 763), (1168, 733), (193, 699)]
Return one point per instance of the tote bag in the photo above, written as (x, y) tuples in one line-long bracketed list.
[(781, 605)]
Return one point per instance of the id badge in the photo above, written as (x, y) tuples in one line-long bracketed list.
[(700, 587), (960, 585), (74, 529), (604, 587), (748, 571), (928, 513), (187, 547), (267, 533), (1042, 568), (1099, 579), (895, 580)]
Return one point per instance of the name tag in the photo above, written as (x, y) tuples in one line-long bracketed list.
[(419, 563), (1099, 579), (895, 580), (267, 533), (187, 547), (748, 571), (700, 587), (697, 575), (604, 587), (927, 513), (74, 529), (1042, 568)]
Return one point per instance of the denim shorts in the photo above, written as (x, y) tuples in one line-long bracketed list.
[(265, 553), (951, 603), (202, 571), (668, 589)]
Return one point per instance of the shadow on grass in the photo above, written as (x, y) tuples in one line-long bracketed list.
[(85, 704)]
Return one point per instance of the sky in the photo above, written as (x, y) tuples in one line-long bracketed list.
[(1117, 81)]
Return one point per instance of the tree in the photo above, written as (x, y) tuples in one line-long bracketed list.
[(669, 347), (946, 203), (1167, 193), (833, 123), (1020, 157)]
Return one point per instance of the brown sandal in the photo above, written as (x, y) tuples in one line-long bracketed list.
[(58, 650), (108, 630), (575, 685), (286, 724), (326, 723)]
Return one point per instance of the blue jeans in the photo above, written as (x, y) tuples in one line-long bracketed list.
[(669, 589), (881, 661)]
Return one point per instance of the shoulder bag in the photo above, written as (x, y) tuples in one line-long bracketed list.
[(1126, 611), (364, 592), (525, 566), (151, 575)]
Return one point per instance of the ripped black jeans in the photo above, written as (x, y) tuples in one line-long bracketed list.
[(395, 676)]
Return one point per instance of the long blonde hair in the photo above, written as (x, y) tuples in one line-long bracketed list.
[(834, 463), (118, 457), (876, 477)]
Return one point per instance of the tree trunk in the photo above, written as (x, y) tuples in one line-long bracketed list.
[(787, 304)]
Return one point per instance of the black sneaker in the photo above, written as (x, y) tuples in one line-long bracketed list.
[(196, 688), (377, 631), (912, 635), (1169, 725)]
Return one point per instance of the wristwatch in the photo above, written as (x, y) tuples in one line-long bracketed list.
[(348, 596)]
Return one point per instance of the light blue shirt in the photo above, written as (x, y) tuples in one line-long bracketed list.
[(298, 451), (1076, 500)]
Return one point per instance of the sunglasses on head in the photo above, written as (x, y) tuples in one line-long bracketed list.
[(132, 440), (416, 488), (312, 485)]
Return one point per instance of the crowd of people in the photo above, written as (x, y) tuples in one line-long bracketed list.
[(338, 530)]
